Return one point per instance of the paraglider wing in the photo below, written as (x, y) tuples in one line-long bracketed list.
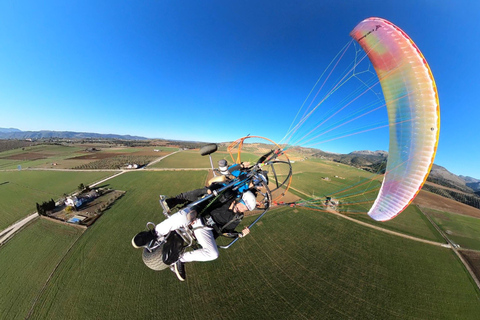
[(413, 112)]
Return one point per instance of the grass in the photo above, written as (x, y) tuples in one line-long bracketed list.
[(411, 222), (66, 157), (26, 262), (52, 154), (295, 264), (107, 242), (351, 181), (309, 178), (20, 190), (463, 230), (193, 159)]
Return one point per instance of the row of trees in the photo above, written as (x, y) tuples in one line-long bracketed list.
[(470, 199), (6, 145), (117, 162), (45, 206), (448, 184)]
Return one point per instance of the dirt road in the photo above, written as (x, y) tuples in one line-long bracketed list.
[(10, 231)]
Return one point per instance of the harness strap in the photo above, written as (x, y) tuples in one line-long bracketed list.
[(237, 217)]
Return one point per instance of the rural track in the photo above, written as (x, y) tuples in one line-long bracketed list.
[(454, 247), (441, 244), (11, 230), (449, 243), (161, 158)]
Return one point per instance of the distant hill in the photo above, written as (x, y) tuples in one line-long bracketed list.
[(443, 182), (472, 183), (9, 130), (442, 176), (12, 133), (373, 161)]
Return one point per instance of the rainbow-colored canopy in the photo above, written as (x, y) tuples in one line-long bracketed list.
[(413, 111)]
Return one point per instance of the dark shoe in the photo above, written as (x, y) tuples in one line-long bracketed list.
[(179, 269), (143, 238)]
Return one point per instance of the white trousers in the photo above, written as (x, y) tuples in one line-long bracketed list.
[(203, 234)]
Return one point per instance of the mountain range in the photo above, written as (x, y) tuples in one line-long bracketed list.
[(13, 133), (374, 161)]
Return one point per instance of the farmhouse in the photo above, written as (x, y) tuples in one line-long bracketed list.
[(78, 201)]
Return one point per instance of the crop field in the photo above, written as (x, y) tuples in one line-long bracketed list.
[(117, 162), (37, 156), (462, 230), (427, 199), (319, 178), (348, 183), (297, 263), (21, 190), (76, 156), (473, 259), (26, 262), (193, 159), (411, 222)]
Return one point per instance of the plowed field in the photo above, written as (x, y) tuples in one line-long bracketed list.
[(434, 201)]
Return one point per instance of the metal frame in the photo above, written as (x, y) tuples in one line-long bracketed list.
[(187, 234), (270, 161)]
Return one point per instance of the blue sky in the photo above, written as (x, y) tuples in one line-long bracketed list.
[(217, 70)]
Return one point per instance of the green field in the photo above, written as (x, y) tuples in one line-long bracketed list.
[(67, 156), (294, 265), (462, 230), (297, 263), (21, 190), (310, 177), (347, 183), (46, 154), (193, 159), (411, 222), (27, 261)]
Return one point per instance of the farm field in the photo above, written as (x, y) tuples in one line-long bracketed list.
[(76, 156), (120, 157), (427, 199), (26, 262), (410, 222), (38, 156), (21, 190), (461, 229), (308, 178), (297, 263), (473, 259), (193, 159)]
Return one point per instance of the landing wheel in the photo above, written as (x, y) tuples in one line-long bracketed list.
[(153, 258)]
